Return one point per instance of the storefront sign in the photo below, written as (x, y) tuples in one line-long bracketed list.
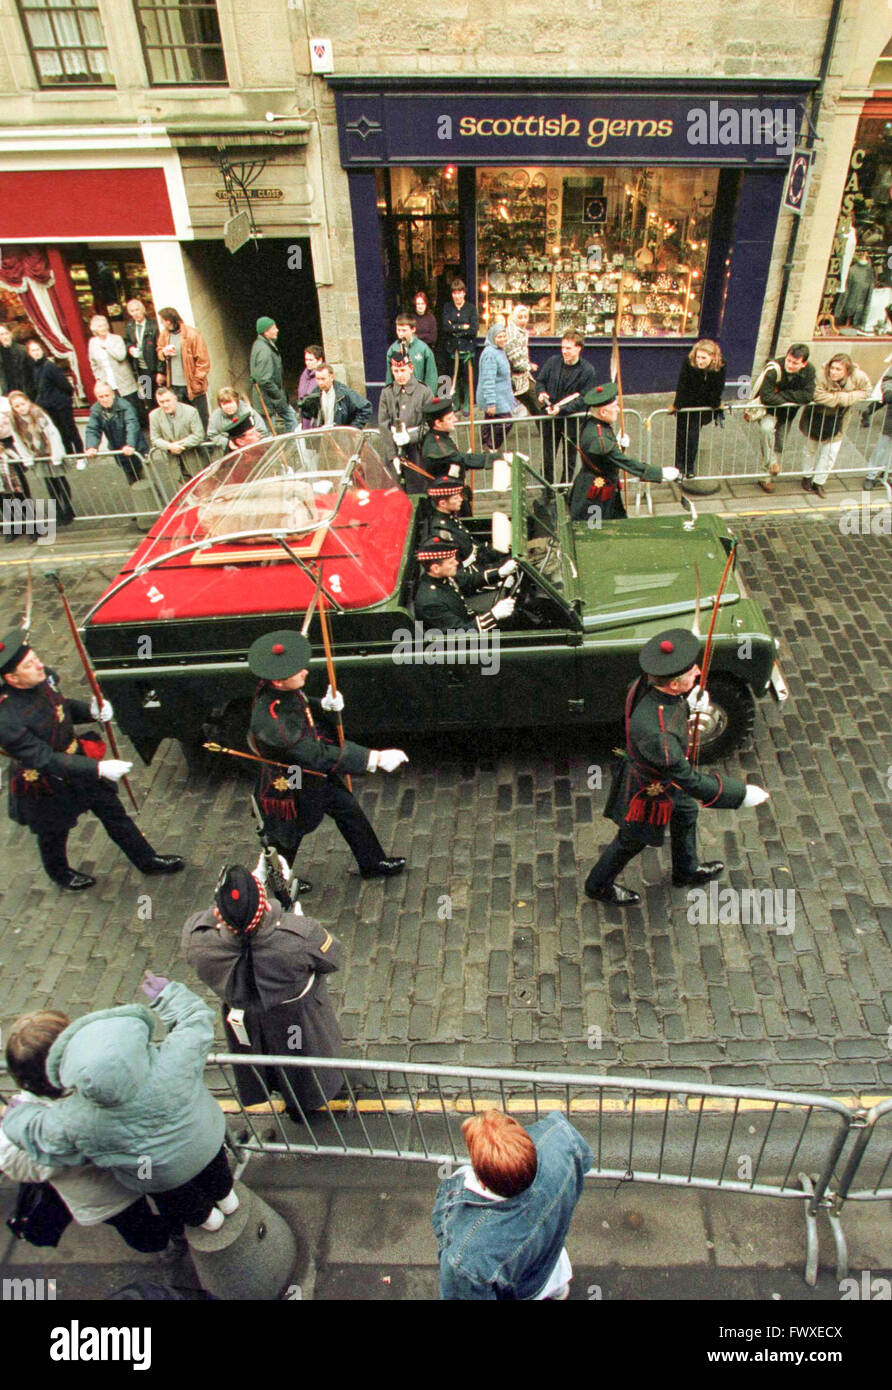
[(382, 127), (259, 195)]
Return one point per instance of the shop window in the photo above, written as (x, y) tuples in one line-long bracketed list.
[(181, 41), (67, 43), (580, 246), (103, 281), (857, 299), (419, 209)]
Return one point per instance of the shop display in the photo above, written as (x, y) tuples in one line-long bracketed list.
[(580, 246), (857, 299), (103, 284)]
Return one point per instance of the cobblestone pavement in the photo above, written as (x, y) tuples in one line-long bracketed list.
[(500, 835)]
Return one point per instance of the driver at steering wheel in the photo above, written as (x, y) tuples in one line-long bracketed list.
[(446, 496), (440, 594)]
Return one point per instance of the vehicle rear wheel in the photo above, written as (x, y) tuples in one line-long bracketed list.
[(730, 720)]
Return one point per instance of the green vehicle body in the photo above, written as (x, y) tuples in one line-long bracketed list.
[(602, 593)]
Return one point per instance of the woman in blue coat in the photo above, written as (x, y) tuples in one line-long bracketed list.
[(494, 393)]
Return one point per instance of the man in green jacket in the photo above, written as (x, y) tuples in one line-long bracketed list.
[(407, 345), (655, 784), (267, 374)]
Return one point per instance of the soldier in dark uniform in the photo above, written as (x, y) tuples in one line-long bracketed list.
[(55, 776), (284, 730), (440, 454), (268, 966), (445, 496), (440, 595), (655, 784), (595, 491)]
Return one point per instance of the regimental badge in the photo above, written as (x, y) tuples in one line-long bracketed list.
[(654, 789), (600, 482), (281, 784), (30, 774)]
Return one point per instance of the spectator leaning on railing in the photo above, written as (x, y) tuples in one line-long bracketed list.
[(39, 445), (175, 428), (840, 384), (881, 456), (115, 421), (781, 387), (234, 411)]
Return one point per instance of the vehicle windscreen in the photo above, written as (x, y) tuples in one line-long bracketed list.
[(219, 547), (538, 526)]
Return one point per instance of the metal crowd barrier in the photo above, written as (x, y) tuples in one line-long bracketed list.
[(106, 486), (720, 1138), (532, 434), (733, 450)]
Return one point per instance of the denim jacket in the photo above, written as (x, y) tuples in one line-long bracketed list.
[(507, 1249)]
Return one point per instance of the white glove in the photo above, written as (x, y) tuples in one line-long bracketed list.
[(391, 758), (103, 714), (509, 567), (698, 700), (114, 769), (333, 703), (259, 870), (755, 796), (503, 609), (623, 441), (400, 434), (670, 474)]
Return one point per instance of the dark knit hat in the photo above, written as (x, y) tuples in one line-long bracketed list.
[(265, 322), (14, 647), (279, 655), (239, 899), (670, 653)]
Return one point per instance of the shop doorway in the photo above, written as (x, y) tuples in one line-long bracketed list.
[(273, 276)]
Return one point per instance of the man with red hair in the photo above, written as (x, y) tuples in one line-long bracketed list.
[(501, 1222)]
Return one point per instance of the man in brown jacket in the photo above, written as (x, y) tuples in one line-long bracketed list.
[(186, 361)]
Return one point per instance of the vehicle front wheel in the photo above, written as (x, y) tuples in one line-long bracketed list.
[(730, 720)]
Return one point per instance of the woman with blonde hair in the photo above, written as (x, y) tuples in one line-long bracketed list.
[(698, 398), (234, 411), (39, 445), (840, 384)]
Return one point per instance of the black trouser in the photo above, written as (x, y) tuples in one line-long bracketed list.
[(59, 490), (461, 396), (493, 434), (687, 440), (330, 798), (53, 825), (62, 417), (200, 402), (560, 432), (628, 842), (191, 1203), (131, 467), (141, 1228)]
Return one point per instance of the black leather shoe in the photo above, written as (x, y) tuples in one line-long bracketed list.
[(701, 875), (806, 485), (164, 864), (302, 885), (75, 881), (385, 868), (614, 893)]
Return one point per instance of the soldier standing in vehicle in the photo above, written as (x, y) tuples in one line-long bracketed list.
[(284, 730), (595, 491), (655, 784)]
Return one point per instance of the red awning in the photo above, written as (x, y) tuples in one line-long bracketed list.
[(86, 204)]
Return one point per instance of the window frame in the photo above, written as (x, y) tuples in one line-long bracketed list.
[(26, 7), (155, 7)]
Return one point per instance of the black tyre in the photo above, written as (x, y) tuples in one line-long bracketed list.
[(730, 720)]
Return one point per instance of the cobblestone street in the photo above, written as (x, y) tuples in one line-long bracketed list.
[(487, 951)]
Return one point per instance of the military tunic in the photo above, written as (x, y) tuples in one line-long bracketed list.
[(276, 974), (655, 785), (470, 554), (52, 781), (440, 604), (284, 729), (597, 482)]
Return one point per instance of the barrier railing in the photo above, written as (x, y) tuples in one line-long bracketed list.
[(549, 442), (720, 1138), (107, 485)]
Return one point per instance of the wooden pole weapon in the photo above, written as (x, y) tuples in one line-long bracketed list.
[(707, 651), (91, 678)]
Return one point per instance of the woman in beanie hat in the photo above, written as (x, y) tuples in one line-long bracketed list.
[(268, 967)]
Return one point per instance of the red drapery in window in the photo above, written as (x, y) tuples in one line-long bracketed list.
[(27, 273)]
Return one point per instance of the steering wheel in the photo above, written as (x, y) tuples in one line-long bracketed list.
[(511, 585)]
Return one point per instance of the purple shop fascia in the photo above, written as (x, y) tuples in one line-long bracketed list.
[(744, 131)]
